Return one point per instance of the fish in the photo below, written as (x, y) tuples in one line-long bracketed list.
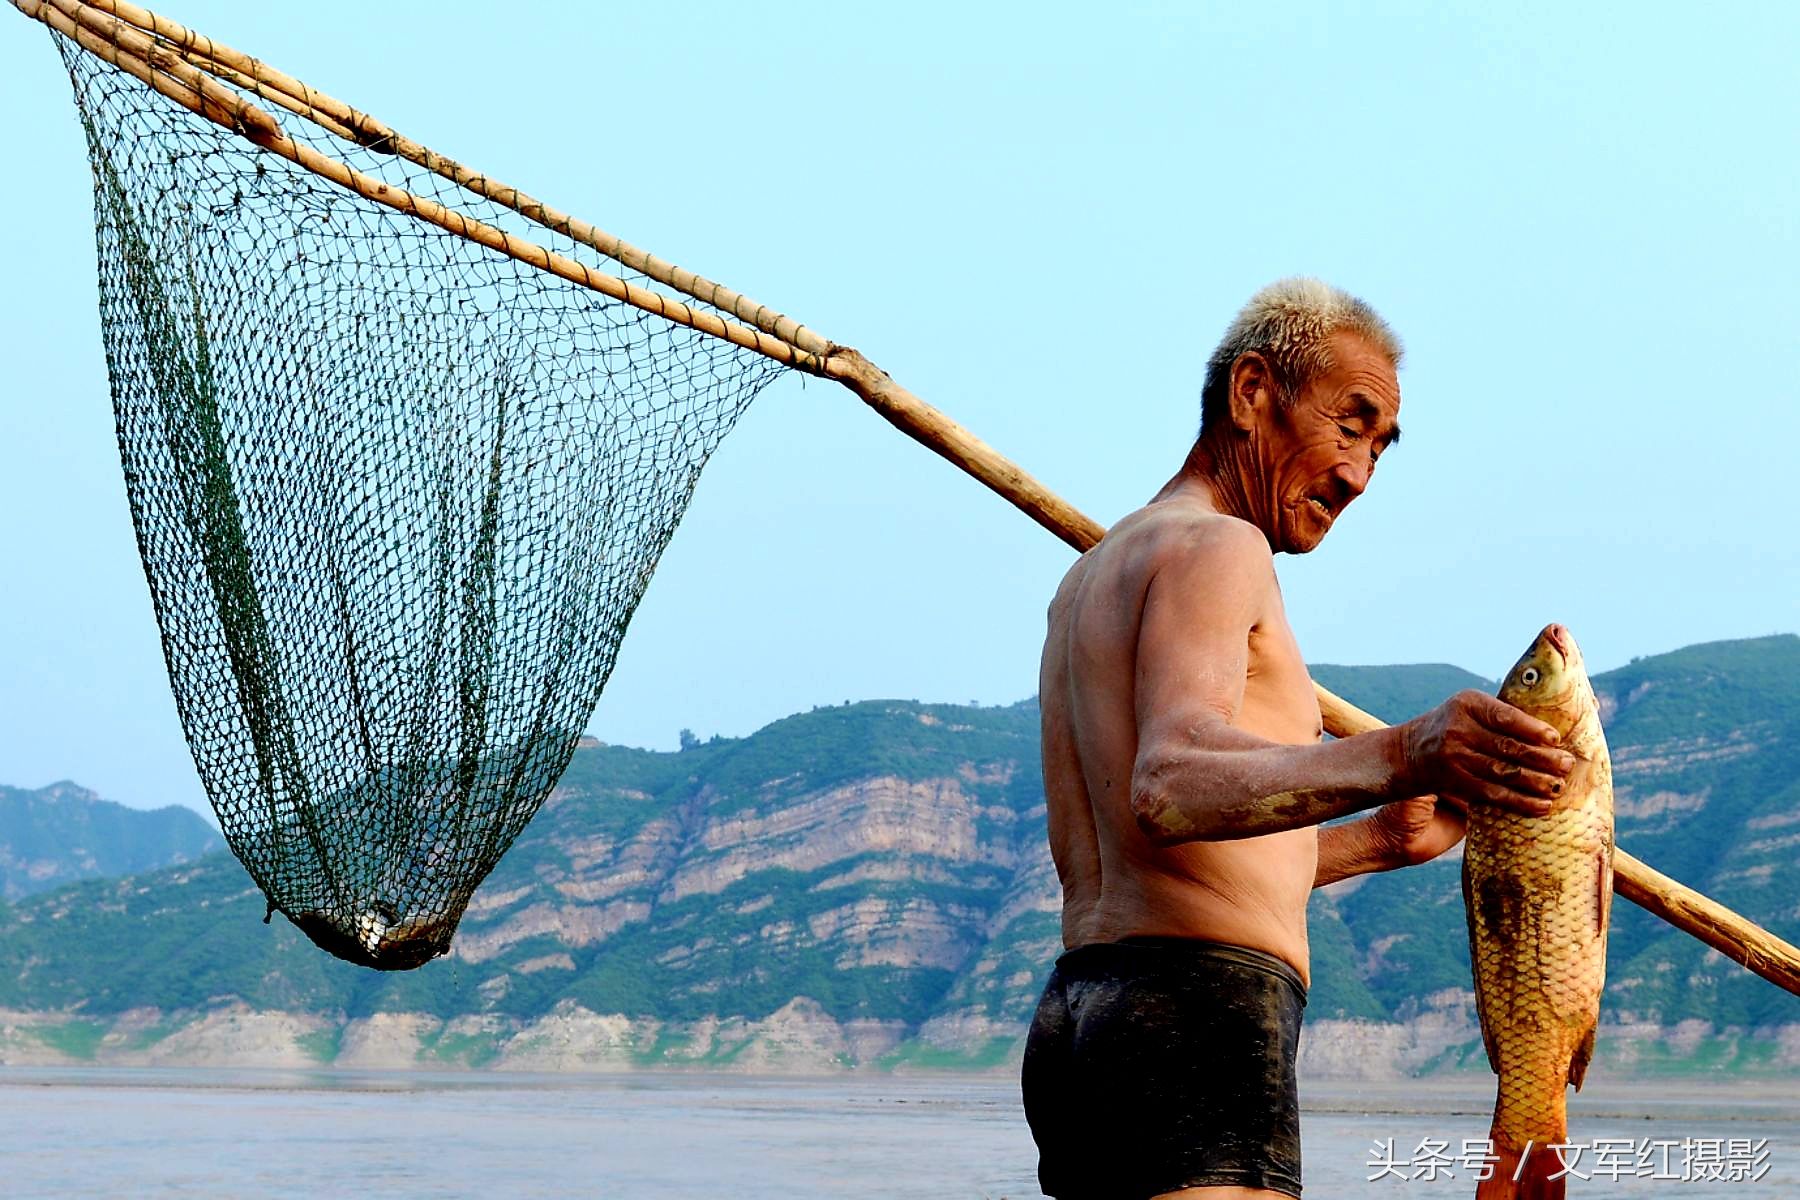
[(373, 925), (380, 937), (1538, 891)]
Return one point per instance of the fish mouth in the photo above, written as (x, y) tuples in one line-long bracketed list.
[(1559, 639)]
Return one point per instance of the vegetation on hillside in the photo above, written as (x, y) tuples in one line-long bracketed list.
[(626, 895)]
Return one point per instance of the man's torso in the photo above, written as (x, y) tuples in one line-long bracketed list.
[(1116, 883)]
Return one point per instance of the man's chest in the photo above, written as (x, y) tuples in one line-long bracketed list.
[(1279, 700)]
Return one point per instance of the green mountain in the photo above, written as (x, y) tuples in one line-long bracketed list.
[(1398, 693), (865, 858), (869, 885), (61, 833)]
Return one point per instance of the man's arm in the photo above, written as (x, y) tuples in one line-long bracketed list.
[(1402, 833), (1198, 777), (1348, 849)]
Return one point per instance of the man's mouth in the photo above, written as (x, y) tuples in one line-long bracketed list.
[(1324, 509)]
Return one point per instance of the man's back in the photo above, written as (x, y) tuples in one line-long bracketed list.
[(1116, 881)]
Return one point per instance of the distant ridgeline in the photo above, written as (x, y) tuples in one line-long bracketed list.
[(61, 833), (869, 885)]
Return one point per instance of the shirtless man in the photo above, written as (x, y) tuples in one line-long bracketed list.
[(1187, 777)]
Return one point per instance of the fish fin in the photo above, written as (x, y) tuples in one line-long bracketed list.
[(1606, 896), (1533, 1168), (1606, 885), (1487, 1039), (1584, 1054), (1499, 1185)]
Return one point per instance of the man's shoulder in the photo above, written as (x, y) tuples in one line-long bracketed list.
[(1169, 538), (1173, 534)]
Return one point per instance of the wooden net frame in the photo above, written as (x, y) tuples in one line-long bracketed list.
[(216, 82)]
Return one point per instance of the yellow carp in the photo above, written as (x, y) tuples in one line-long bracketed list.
[(1539, 893)]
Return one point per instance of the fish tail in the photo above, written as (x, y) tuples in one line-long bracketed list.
[(1524, 1173)]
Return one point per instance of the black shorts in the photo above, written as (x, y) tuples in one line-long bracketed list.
[(1158, 1063)]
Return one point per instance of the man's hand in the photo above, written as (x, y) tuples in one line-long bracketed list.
[(1410, 832), (1484, 751)]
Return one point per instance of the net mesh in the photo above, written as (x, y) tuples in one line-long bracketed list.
[(397, 496)]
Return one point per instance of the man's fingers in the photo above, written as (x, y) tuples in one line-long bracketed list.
[(1502, 717), (1473, 741), (1550, 786), (1519, 802), (1523, 779), (1546, 759)]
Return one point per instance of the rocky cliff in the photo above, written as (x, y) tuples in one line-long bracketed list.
[(868, 886)]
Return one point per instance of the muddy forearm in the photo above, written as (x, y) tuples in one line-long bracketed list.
[(1352, 848), (1236, 785)]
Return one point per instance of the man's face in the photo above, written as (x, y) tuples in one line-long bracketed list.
[(1321, 452)]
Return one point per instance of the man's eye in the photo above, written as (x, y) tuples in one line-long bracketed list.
[(1348, 432)]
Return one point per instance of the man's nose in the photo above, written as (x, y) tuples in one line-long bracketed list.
[(1354, 474)]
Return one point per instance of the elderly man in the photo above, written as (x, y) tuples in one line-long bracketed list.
[(1187, 777)]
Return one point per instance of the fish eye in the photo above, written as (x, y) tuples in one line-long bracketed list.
[(1529, 676)]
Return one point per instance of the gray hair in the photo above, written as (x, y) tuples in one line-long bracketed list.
[(1290, 323)]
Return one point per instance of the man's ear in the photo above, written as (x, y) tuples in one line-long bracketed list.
[(1252, 389)]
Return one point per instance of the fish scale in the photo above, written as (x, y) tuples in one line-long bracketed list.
[(1538, 892)]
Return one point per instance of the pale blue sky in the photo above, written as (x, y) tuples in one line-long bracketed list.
[(1040, 219)]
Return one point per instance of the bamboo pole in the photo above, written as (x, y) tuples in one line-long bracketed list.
[(1737, 939), (944, 437), (274, 95), (1712, 923), (187, 88), (347, 122), (223, 107)]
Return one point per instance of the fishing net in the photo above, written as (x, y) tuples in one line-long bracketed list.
[(397, 495)]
